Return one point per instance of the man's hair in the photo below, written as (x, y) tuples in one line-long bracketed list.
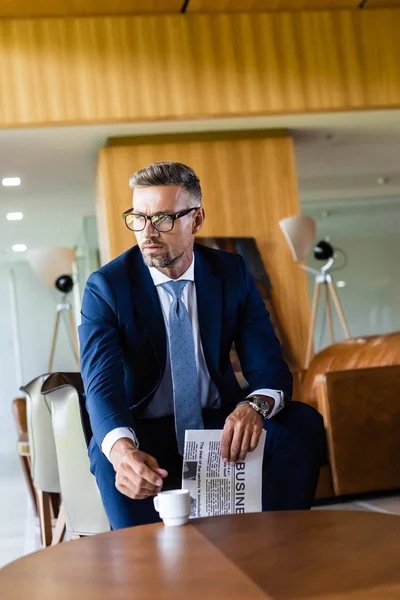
[(169, 173)]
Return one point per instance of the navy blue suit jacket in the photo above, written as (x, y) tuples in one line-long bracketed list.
[(123, 338)]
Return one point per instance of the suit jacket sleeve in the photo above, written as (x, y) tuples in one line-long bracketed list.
[(101, 359), (257, 346)]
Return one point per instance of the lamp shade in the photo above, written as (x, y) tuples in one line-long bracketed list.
[(299, 232), (50, 263)]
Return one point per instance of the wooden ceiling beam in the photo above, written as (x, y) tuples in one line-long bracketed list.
[(25, 9)]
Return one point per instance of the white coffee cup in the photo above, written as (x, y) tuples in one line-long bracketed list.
[(173, 506)]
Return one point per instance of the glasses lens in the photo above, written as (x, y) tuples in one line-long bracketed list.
[(162, 222), (135, 222)]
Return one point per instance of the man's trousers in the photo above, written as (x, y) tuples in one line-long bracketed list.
[(294, 451)]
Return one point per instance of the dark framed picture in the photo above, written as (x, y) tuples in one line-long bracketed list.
[(247, 247)]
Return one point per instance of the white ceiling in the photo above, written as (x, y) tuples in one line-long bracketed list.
[(339, 158)]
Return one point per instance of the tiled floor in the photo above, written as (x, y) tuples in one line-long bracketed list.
[(386, 504), (19, 531), (17, 524)]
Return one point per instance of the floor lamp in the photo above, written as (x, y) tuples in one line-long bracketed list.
[(53, 267), (324, 279), (64, 284), (299, 232)]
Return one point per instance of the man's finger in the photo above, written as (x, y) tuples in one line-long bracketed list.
[(145, 488), (131, 480), (151, 462), (137, 486), (154, 466), (226, 440), (129, 476), (236, 444), (245, 445), (144, 472), (162, 472), (254, 440), (131, 494)]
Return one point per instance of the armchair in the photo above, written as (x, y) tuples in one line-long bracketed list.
[(355, 385)]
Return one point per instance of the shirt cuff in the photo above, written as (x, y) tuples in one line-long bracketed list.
[(277, 395), (114, 435)]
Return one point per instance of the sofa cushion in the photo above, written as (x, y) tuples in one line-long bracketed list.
[(355, 353)]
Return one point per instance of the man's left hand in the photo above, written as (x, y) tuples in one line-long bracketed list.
[(241, 433)]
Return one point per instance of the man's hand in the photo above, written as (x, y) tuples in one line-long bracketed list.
[(241, 433), (138, 474)]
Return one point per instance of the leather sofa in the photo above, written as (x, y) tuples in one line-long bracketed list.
[(355, 385)]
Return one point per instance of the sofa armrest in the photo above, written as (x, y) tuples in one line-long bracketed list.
[(298, 375), (361, 409)]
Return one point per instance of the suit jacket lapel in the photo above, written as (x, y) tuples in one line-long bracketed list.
[(209, 307), (145, 298)]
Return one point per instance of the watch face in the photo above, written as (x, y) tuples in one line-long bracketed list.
[(262, 406)]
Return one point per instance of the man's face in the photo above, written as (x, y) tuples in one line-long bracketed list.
[(163, 250)]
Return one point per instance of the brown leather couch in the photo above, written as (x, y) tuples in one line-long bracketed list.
[(355, 385)]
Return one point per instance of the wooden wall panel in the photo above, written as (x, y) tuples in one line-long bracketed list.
[(268, 5), (71, 71), (248, 185), (23, 9), (382, 4)]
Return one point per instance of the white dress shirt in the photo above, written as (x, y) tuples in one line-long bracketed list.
[(162, 403)]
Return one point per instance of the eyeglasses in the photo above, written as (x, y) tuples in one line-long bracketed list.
[(162, 222)]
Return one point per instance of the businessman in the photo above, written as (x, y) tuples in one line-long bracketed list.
[(158, 324)]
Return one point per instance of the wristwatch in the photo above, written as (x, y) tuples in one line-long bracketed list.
[(260, 405)]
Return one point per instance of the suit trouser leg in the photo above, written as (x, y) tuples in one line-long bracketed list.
[(294, 451), (293, 454), (157, 438)]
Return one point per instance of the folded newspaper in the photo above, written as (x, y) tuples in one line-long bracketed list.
[(217, 488)]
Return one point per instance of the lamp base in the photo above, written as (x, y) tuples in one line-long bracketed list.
[(64, 307), (325, 280)]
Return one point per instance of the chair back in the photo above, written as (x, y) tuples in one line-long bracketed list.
[(355, 353), (84, 511), (19, 414), (44, 466)]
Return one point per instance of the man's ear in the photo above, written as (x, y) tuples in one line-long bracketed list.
[(198, 221)]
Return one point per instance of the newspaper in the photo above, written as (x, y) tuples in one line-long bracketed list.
[(217, 488)]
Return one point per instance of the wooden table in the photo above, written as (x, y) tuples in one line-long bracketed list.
[(329, 555)]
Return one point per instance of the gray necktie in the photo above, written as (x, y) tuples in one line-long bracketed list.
[(185, 381)]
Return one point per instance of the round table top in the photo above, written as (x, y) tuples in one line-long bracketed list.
[(283, 555)]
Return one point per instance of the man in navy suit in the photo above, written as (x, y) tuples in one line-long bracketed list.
[(158, 324)]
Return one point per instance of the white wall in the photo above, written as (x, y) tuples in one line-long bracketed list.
[(36, 312), (370, 236), (8, 379)]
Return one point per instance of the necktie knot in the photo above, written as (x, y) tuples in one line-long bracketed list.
[(175, 288)]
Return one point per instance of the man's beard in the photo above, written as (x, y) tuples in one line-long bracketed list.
[(160, 261)]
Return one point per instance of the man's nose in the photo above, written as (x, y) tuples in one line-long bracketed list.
[(149, 231)]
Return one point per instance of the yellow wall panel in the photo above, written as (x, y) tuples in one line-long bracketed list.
[(248, 185), (382, 4), (269, 5), (114, 69), (22, 9)]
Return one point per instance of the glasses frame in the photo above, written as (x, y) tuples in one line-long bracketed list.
[(173, 216)]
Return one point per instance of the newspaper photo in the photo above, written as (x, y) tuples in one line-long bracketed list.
[(215, 487)]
